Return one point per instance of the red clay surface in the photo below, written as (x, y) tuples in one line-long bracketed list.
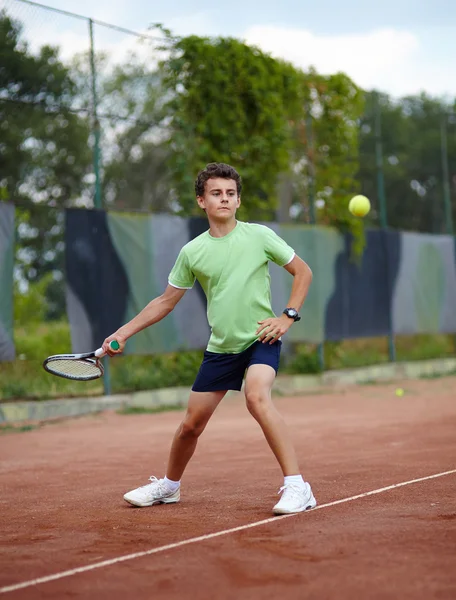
[(62, 507)]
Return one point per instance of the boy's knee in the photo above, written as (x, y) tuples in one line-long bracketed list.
[(256, 401), (193, 426)]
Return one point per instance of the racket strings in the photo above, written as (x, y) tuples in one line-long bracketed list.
[(75, 368)]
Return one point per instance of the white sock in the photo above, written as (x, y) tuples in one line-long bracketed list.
[(172, 485), (295, 479)]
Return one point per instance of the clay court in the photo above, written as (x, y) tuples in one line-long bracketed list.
[(382, 467)]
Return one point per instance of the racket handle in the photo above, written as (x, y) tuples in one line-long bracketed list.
[(114, 345)]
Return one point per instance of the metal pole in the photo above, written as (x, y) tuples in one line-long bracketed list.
[(446, 175), (379, 165), (311, 196), (98, 202), (310, 159), (383, 212), (95, 123)]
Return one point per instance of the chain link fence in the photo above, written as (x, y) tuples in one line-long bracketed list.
[(83, 124), (104, 90), (96, 78)]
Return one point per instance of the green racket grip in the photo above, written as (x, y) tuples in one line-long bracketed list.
[(113, 344)]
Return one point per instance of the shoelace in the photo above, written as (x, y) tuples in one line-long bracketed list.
[(155, 481), (292, 490)]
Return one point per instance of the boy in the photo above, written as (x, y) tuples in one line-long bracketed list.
[(230, 261)]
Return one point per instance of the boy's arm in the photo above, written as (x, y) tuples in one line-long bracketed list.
[(272, 329), (302, 278), (154, 312)]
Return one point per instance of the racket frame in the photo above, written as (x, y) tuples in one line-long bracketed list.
[(86, 357)]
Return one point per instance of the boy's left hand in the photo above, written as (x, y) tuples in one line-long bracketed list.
[(270, 330)]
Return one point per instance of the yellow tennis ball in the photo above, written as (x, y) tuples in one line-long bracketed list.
[(399, 392), (359, 206)]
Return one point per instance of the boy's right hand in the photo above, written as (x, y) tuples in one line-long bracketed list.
[(107, 348)]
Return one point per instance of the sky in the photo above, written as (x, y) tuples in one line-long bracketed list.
[(397, 46)]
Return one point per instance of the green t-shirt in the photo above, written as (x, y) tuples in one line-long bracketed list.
[(233, 272)]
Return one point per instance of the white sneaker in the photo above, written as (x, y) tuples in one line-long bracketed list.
[(156, 492), (295, 498)]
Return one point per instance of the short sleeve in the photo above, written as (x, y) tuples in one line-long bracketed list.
[(181, 275), (277, 250)]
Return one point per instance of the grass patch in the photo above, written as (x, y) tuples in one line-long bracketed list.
[(25, 378), (376, 382), (141, 410), (4, 429), (437, 375), (348, 354), (425, 347)]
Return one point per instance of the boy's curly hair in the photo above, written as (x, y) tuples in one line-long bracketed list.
[(213, 170)]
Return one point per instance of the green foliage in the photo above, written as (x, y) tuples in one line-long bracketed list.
[(30, 306), (35, 340), (356, 353), (437, 375), (144, 410), (26, 379), (45, 154), (231, 103), (137, 175), (337, 161), (134, 149), (133, 373), (425, 347), (16, 428), (303, 359), (412, 165), (211, 100), (370, 351), (329, 141), (46, 145), (14, 388)]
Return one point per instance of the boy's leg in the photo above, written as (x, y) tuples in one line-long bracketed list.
[(201, 406), (258, 385), (297, 494)]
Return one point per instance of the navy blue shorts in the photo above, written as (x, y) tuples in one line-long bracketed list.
[(226, 371)]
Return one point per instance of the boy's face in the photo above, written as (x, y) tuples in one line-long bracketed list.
[(220, 200)]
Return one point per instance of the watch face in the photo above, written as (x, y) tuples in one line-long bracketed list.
[(292, 312)]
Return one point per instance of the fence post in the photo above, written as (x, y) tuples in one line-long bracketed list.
[(446, 176), (98, 201), (311, 196), (95, 123), (383, 212)]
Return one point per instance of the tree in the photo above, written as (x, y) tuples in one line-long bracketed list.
[(44, 155), (412, 159), (136, 172), (326, 152), (134, 152), (231, 103)]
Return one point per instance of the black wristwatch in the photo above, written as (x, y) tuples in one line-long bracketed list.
[(292, 313)]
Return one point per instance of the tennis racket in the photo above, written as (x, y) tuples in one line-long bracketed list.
[(81, 367)]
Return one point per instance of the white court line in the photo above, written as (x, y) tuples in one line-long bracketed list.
[(202, 538)]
